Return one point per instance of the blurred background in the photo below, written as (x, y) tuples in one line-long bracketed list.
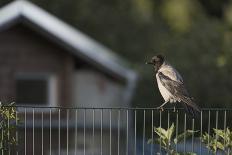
[(195, 36)]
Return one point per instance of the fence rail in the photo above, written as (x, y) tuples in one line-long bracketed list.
[(108, 131)]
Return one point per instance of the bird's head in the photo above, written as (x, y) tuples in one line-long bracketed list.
[(156, 61)]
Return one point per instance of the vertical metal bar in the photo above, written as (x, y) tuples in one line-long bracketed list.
[(127, 132), (84, 128), (93, 132), (110, 131), (216, 128), (2, 138), (33, 131), (201, 136), (193, 128), (50, 130), (67, 132), (160, 147), (144, 128), (216, 125), (59, 131), (168, 127), (17, 136), (25, 131), (101, 128), (185, 133), (119, 119), (152, 133), (135, 142), (76, 132), (209, 129), (8, 130), (42, 134), (168, 119), (224, 126), (177, 126)]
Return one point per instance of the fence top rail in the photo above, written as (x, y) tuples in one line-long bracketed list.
[(110, 108)]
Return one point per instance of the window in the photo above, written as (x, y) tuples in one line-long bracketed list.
[(35, 89)]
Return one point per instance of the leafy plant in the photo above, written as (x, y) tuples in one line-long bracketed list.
[(7, 127), (221, 140), (167, 141)]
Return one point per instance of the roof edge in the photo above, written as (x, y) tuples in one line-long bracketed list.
[(82, 45)]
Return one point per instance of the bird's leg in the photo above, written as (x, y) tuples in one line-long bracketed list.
[(174, 109), (161, 107)]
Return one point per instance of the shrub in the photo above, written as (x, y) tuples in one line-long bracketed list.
[(221, 140), (7, 127), (167, 141)]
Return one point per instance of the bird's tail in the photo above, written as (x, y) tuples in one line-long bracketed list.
[(191, 107)]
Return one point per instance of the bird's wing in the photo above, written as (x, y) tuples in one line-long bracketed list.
[(178, 90), (172, 73)]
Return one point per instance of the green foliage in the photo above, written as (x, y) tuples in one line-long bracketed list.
[(166, 139), (221, 140), (7, 127)]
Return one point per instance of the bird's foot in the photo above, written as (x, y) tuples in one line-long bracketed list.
[(160, 108)]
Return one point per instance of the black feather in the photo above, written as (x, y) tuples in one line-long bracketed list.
[(179, 92)]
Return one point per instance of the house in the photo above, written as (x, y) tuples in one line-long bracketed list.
[(45, 62)]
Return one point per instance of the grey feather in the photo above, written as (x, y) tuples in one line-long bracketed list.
[(179, 92)]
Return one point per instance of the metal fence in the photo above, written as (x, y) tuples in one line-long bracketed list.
[(108, 131)]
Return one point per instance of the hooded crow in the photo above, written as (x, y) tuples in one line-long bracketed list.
[(171, 85)]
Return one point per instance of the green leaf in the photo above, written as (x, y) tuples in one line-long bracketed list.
[(162, 133), (7, 114), (183, 135), (220, 133), (170, 132), (191, 153), (165, 136), (212, 143), (220, 145)]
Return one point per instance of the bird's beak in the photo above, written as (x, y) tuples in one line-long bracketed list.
[(151, 63)]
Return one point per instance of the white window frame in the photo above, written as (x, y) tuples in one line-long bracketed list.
[(52, 87)]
